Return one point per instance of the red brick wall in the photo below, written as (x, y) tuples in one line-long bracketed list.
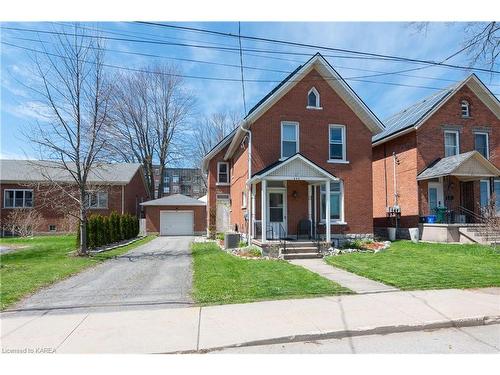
[(55, 216), (153, 217), (313, 138), (212, 187), (239, 176), (383, 180)]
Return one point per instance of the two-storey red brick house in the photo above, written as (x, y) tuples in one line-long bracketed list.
[(439, 157), (299, 163), (118, 187)]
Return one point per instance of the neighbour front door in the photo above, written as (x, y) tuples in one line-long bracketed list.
[(276, 213)]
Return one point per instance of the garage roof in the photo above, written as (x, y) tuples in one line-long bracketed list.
[(175, 200)]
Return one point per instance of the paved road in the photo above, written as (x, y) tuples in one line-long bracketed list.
[(158, 273), (482, 339)]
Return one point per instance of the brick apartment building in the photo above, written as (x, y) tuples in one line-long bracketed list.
[(185, 181)]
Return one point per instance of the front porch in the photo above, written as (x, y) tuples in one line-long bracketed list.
[(295, 200)]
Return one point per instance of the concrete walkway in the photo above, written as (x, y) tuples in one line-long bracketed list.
[(206, 328), (356, 283)]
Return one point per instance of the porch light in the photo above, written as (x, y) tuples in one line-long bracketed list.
[(295, 194)]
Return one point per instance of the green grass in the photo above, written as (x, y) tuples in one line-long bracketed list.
[(44, 261), (221, 278), (408, 265)]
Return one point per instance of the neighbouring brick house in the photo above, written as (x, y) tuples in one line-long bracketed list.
[(305, 147), (118, 187), (445, 152), (185, 181)]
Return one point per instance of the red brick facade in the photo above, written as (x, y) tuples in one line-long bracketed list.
[(121, 199), (356, 175), (419, 148)]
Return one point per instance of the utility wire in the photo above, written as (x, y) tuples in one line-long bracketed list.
[(242, 76), (314, 46)]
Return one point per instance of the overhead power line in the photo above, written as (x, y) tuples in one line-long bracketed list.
[(318, 47)]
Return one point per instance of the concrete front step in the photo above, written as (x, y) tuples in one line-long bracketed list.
[(302, 256), (290, 244), (297, 250)]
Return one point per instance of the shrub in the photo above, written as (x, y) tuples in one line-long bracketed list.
[(220, 236), (242, 243), (103, 230)]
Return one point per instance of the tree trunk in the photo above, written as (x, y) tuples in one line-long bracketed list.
[(83, 251)]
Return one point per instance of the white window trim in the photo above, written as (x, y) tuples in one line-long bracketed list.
[(488, 192), (344, 144), (243, 199), (297, 140), (318, 99), (487, 142), (218, 173), (341, 220), (457, 134), (467, 104), (24, 198), (98, 207), (495, 182)]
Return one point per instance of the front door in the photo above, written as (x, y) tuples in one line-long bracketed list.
[(276, 213), (435, 195)]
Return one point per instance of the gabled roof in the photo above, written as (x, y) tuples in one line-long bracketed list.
[(336, 82), (414, 116), (219, 146), (296, 166), (175, 200), (469, 165), (26, 171)]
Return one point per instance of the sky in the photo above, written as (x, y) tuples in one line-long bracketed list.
[(389, 94)]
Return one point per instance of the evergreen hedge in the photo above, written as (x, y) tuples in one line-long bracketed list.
[(104, 230)]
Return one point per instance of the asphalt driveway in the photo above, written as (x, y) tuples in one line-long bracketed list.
[(158, 273)]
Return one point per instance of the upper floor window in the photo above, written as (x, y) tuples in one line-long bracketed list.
[(17, 198), (481, 144), (451, 143), (337, 149), (465, 108), (223, 173), (313, 99), (97, 199), (289, 139)]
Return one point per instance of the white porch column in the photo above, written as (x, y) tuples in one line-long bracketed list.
[(263, 210), (253, 210), (309, 206), (327, 213)]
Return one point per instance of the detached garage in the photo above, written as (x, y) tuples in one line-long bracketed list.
[(175, 215)]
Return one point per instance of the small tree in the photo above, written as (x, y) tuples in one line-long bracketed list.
[(23, 221)]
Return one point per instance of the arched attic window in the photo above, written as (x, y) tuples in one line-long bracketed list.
[(313, 99), (465, 108)]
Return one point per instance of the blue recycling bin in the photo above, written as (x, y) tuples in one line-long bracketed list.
[(431, 219)]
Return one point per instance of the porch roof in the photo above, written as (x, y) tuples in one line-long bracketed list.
[(296, 167), (467, 166)]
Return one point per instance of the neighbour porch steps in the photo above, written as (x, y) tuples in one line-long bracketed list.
[(481, 234)]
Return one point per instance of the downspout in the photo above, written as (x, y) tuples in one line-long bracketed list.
[(249, 193), (123, 199)]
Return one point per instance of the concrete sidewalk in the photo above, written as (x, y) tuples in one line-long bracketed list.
[(356, 283), (205, 328)]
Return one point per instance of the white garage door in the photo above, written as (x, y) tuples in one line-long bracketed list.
[(176, 223)]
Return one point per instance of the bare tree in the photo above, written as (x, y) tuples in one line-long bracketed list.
[(481, 41), (151, 110), (73, 88), (23, 221), (210, 131)]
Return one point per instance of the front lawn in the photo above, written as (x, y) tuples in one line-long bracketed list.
[(221, 278), (44, 260), (408, 265)]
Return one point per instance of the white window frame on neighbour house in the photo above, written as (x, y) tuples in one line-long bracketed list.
[(465, 109), (98, 205), (487, 156), (332, 142), (456, 133), (333, 192), (496, 189), (219, 182), (296, 140), (483, 204), (14, 204), (317, 103), (243, 199)]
